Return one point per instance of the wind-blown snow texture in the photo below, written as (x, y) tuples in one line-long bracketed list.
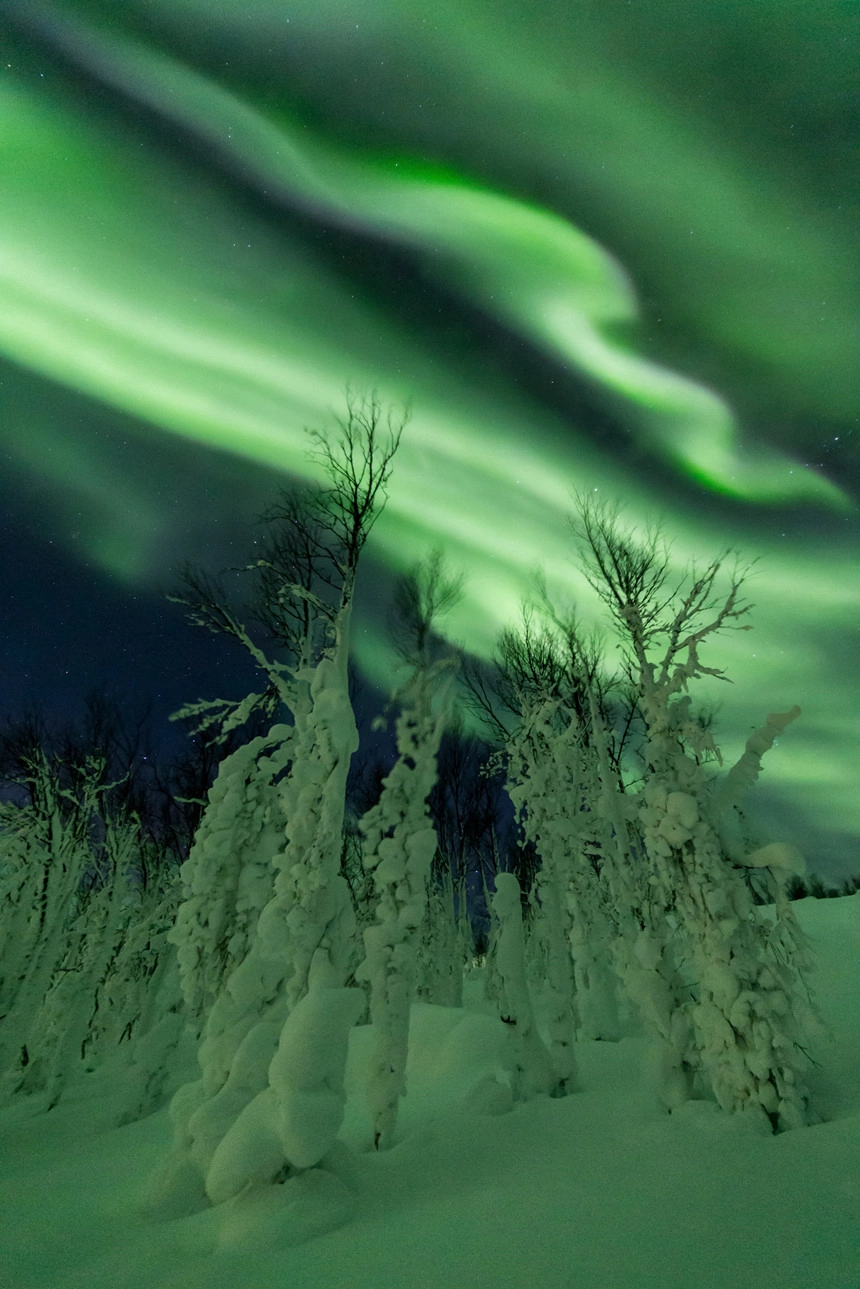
[(597, 1190)]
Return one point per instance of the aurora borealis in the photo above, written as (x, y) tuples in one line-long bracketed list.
[(598, 246)]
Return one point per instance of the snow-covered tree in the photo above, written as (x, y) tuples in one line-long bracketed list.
[(563, 732), (227, 878), (738, 1030), (52, 850), (544, 785), (77, 872), (238, 1122), (547, 678), (401, 842), (138, 1027)]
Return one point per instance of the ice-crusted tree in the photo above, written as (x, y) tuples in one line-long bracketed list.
[(737, 1027), (586, 757), (302, 578), (400, 841), (274, 1041)]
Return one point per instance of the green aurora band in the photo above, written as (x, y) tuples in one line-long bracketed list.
[(161, 175)]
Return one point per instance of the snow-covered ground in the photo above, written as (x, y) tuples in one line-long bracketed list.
[(599, 1190)]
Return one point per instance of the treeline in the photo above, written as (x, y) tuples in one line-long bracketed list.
[(814, 886)]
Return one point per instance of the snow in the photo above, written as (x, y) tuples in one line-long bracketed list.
[(780, 855), (306, 1073), (597, 1190)]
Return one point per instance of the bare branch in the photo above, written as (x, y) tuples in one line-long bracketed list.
[(482, 697), (630, 575), (205, 599), (356, 460), (421, 597)]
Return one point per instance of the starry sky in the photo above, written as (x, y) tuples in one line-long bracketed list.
[(605, 246)]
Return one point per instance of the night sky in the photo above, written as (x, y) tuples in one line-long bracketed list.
[(602, 245)]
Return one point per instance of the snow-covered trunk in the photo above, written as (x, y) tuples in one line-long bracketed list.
[(294, 1121), (299, 1043), (655, 988), (125, 997), (228, 985), (492, 981), (544, 784), (594, 981), (400, 842), (530, 1063), (310, 908), (559, 991), (24, 863), (638, 933)]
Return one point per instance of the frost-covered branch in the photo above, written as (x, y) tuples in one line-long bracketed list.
[(745, 771)]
